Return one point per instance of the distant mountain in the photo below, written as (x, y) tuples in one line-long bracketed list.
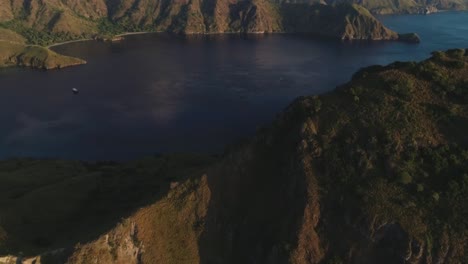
[(69, 19), (396, 6), (373, 172), (53, 21)]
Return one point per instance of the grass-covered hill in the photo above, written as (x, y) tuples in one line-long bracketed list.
[(17, 54), (373, 172)]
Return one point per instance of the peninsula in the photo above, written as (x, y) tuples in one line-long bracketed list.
[(14, 52)]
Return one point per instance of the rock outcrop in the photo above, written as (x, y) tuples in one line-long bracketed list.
[(347, 22)]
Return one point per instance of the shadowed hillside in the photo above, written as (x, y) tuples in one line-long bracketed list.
[(373, 172)]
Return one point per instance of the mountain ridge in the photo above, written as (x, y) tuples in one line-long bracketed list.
[(72, 19)]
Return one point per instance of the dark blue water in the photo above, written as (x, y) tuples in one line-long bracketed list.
[(159, 93)]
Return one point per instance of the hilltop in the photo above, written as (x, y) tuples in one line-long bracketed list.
[(373, 172)]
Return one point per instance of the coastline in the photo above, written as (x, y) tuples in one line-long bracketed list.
[(217, 33), (137, 33), (90, 39), (67, 42)]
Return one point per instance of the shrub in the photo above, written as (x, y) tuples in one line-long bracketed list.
[(335, 260), (3, 236), (456, 53), (405, 178), (458, 64), (419, 187), (438, 55), (403, 88), (317, 104)]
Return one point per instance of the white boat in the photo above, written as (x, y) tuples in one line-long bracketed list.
[(75, 91)]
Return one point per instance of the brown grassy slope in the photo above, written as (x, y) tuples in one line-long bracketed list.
[(5, 10), (343, 21), (197, 16), (16, 54), (75, 17), (8, 35)]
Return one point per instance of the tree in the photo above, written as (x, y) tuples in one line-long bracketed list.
[(406, 178)]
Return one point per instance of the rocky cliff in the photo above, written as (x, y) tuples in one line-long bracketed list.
[(348, 22), (373, 172)]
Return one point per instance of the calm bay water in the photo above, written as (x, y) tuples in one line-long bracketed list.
[(159, 93)]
